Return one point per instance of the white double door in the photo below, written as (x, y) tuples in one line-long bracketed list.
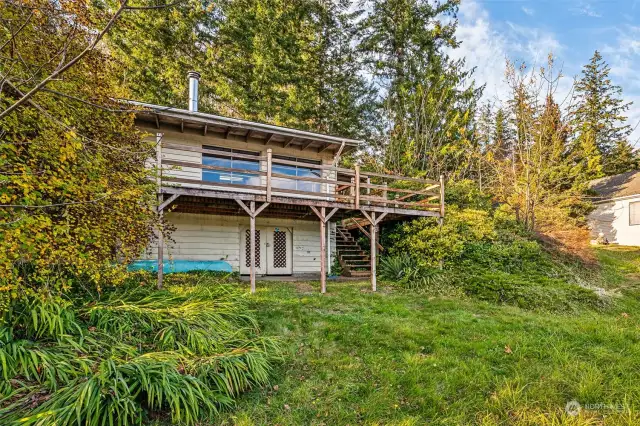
[(273, 251)]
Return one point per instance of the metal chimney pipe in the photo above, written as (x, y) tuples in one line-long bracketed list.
[(194, 78)]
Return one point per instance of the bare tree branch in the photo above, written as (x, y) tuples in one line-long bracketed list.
[(69, 64), (160, 6), (13, 36)]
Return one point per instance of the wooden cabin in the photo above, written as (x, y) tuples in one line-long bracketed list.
[(268, 200)]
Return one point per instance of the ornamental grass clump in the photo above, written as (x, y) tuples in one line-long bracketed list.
[(182, 354)]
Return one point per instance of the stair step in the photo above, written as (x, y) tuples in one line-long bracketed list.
[(359, 273)]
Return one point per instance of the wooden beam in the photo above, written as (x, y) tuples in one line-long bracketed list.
[(357, 190), (248, 135), (315, 210), (165, 203), (269, 166), (423, 192), (269, 138), (157, 121), (307, 145), (336, 157), (204, 133), (374, 248), (245, 207), (241, 194), (323, 252), (288, 142), (364, 231), (252, 235), (226, 132), (366, 215), (262, 207), (160, 253), (328, 217), (325, 147), (372, 219), (182, 126)]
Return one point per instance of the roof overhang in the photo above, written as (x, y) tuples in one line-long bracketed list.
[(183, 120)]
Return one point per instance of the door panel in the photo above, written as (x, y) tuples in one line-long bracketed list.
[(245, 251), (279, 251)]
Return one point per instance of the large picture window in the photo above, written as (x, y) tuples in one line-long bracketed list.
[(634, 213), (299, 171), (224, 157)]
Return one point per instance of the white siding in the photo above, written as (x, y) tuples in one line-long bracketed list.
[(612, 219), (210, 237)]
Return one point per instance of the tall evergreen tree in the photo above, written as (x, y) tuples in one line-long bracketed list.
[(282, 62), (502, 135), (428, 100), (599, 117)]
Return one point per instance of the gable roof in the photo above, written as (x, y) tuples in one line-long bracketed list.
[(157, 115), (617, 186)]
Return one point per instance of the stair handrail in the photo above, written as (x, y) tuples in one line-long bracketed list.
[(364, 231)]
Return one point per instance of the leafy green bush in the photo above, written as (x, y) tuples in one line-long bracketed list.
[(487, 255), (187, 350), (430, 244)]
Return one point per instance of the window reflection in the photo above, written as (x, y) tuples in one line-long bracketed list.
[(226, 159), (296, 171)]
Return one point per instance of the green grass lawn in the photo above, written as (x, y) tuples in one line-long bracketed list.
[(353, 357)]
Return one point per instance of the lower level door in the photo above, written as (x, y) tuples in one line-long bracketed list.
[(279, 251), (245, 251)]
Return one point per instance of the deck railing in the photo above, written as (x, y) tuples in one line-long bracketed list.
[(338, 184)]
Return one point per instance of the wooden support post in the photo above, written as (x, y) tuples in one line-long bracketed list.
[(324, 218), (252, 243), (328, 248), (373, 231), (160, 211), (253, 213), (385, 193), (368, 189), (160, 255), (269, 162), (357, 179), (323, 252), (374, 249)]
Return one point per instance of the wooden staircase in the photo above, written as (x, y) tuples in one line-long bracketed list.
[(353, 260)]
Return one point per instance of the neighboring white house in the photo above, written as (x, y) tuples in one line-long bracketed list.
[(617, 213)]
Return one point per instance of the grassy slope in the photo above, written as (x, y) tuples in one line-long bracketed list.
[(395, 358)]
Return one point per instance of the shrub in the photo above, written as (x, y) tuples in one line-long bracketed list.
[(486, 255), (188, 350), (429, 244)]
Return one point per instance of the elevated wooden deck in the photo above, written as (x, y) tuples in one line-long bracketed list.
[(339, 192), (342, 188)]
